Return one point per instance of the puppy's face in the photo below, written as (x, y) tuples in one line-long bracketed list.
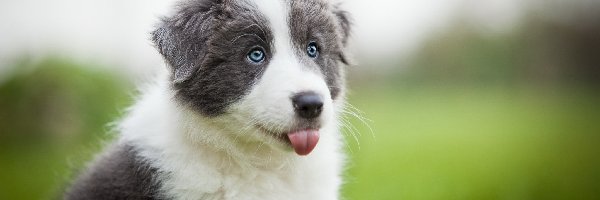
[(270, 70)]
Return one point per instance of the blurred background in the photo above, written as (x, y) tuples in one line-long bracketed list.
[(456, 99)]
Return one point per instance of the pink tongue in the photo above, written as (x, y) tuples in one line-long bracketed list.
[(304, 141)]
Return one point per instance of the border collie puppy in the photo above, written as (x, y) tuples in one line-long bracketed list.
[(247, 108)]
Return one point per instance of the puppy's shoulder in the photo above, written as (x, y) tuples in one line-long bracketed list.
[(119, 173)]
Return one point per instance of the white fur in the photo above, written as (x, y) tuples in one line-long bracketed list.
[(228, 157)]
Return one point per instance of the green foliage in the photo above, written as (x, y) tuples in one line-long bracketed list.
[(463, 55), (539, 52), (50, 112)]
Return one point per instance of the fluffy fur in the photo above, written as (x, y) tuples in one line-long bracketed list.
[(212, 125)]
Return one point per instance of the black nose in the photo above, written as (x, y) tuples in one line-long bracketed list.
[(308, 105)]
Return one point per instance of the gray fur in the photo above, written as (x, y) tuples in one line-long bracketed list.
[(316, 21), (118, 174), (206, 42)]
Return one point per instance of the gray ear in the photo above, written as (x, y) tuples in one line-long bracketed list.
[(344, 21), (182, 39), (172, 49)]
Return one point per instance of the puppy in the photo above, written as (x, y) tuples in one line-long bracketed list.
[(247, 108)]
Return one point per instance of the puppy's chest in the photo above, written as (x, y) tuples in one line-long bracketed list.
[(261, 185), (244, 184)]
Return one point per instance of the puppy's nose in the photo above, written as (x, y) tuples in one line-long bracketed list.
[(308, 105)]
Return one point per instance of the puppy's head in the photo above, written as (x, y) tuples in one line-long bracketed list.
[(269, 70)]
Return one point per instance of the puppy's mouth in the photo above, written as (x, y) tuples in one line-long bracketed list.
[(303, 141)]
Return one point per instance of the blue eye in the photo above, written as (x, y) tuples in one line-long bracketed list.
[(256, 55), (312, 50)]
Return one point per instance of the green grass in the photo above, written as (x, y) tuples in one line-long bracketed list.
[(476, 143)]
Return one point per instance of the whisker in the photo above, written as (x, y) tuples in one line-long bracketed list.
[(247, 34), (352, 131), (355, 112), (257, 26), (348, 132)]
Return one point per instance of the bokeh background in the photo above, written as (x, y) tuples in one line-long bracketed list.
[(453, 99)]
